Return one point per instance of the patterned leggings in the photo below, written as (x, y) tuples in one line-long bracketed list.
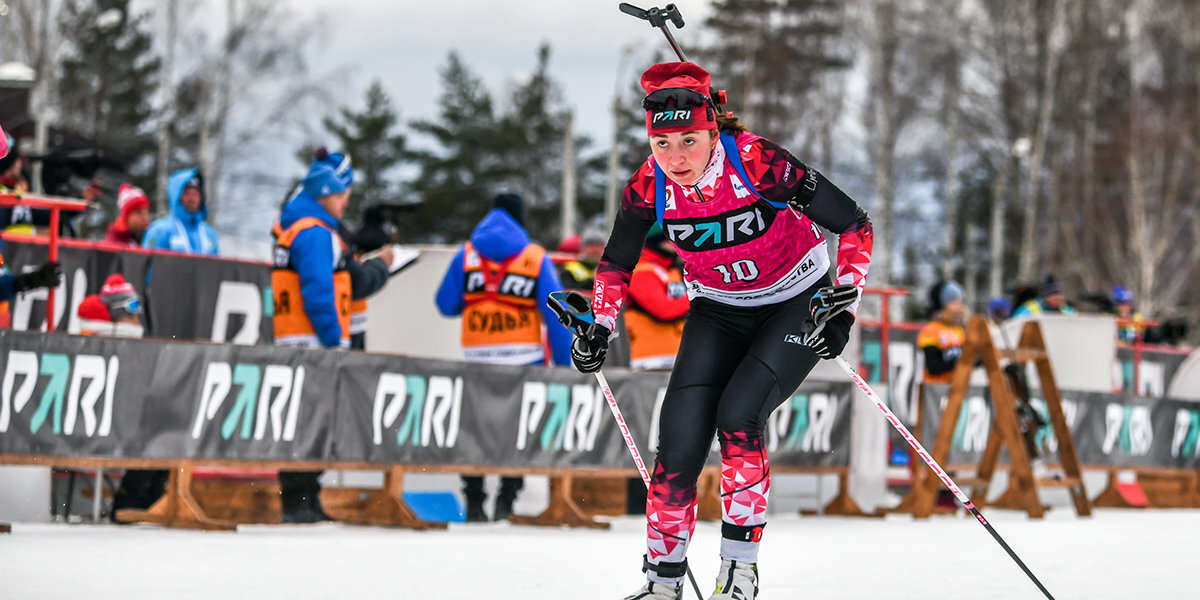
[(735, 366)]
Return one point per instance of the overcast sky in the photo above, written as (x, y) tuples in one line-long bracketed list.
[(405, 42)]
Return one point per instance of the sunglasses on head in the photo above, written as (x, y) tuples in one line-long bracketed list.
[(675, 98)]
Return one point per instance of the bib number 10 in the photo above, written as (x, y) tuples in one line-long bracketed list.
[(743, 270)]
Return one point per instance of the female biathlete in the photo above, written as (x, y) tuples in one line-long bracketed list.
[(743, 213)]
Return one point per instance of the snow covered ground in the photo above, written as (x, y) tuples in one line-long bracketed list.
[(1115, 554)]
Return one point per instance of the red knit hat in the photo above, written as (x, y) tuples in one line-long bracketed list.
[(677, 98), (120, 297), (131, 198)]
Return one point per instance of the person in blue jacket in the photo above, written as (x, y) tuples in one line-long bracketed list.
[(185, 229), (312, 286), (498, 281)]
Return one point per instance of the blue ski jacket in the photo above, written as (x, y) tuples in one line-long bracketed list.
[(314, 255), (183, 230)]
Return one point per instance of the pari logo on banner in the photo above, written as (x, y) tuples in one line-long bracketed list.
[(423, 410), (1045, 437), (974, 423), (75, 387), (557, 416), (804, 423), (1186, 440), (266, 397), (1127, 429)]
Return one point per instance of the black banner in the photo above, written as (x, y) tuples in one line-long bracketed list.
[(183, 297), (1108, 429), (91, 396)]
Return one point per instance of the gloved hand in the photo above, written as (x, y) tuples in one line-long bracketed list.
[(828, 330), (831, 339), (588, 352), (45, 276)]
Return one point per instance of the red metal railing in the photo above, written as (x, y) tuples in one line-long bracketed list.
[(55, 205), (884, 323)]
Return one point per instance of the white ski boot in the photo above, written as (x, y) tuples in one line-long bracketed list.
[(736, 581), (657, 591)]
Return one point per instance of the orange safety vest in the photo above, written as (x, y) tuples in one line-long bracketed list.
[(358, 316), (500, 320), (653, 344), (292, 327), (942, 336)]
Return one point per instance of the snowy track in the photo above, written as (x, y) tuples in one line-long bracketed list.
[(1115, 554)]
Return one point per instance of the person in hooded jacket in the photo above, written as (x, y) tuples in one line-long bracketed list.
[(498, 282), (186, 229)]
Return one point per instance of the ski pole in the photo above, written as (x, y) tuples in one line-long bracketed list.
[(937, 469), (658, 17), (575, 313)]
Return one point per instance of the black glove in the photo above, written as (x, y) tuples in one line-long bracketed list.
[(45, 276), (588, 352), (831, 339)]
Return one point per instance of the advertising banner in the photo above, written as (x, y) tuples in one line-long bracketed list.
[(184, 298), (91, 396), (1108, 429)]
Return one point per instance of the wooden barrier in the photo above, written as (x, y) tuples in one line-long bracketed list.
[(1150, 488), (1022, 492), (577, 496)]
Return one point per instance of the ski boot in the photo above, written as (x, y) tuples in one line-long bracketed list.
[(736, 581), (657, 591), (654, 590)]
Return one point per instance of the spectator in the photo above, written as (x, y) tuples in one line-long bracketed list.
[(1131, 324), (999, 310), (130, 225), (498, 282), (1050, 300), (312, 289), (941, 340), (186, 228), (116, 311), (658, 304), (13, 219), (369, 242), (11, 180), (580, 274)]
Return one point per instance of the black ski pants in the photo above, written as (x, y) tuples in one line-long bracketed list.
[(735, 366)]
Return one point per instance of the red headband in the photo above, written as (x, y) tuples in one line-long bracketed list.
[(683, 103)]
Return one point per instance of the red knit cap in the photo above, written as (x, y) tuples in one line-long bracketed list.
[(131, 198), (669, 115)]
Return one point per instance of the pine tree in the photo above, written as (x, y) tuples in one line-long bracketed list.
[(531, 135), (109, 77), (456, 183), (375, 149), (769, 56)]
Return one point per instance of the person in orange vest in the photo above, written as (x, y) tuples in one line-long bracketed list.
[(498, 281), (658, 303), (941, 339), (311, 283)]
